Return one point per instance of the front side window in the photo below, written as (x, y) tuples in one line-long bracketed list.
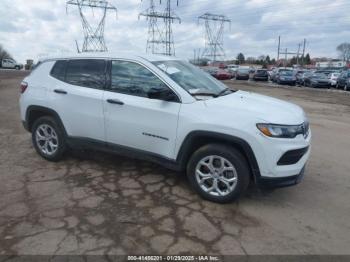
[(133, 79), (190, 78), (87, 73)]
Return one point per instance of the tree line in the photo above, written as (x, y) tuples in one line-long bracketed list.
[(264, 61)]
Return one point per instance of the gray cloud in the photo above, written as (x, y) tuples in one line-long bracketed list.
[(29, 29)]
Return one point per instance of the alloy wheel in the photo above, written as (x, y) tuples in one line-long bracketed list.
[(46, 139), (216, 175)]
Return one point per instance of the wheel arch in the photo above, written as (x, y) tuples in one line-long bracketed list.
[(34, 112), (197, 139)]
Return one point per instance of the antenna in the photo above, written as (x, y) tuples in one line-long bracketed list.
[(214, 35), (93, 38)]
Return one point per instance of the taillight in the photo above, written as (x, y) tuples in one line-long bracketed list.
[(24, 86)]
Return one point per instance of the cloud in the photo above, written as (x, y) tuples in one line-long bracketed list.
[(29, 29)]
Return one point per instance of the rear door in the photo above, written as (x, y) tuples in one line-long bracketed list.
[(134, 120), (76, 95)]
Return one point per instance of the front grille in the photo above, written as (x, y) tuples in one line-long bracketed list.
[(292, 157)]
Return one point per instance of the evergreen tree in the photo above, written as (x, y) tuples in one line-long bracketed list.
[(240, 58)]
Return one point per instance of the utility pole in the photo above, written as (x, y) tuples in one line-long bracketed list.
[(279, 46), (214, 35), (303, 57), (286, 53), (94, 40), (298, 53)]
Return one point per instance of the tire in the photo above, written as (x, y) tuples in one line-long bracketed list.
[(49, 144), (17, 68), (346, 87), (208, 159)]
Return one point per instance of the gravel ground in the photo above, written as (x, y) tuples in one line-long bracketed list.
[(97, 203)]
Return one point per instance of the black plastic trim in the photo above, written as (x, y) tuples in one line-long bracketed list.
[(190, 141), (267, 182), (292, 157), (87, 143), (43, 110)]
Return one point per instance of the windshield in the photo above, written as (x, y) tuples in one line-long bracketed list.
[(319, 75), (286, 73), (190, 78), (245, 71)]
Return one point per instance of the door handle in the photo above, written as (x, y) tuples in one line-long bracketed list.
[(60, 91), (115, 101)]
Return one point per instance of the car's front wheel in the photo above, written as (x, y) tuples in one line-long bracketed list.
[(48, 138), (218, 173)]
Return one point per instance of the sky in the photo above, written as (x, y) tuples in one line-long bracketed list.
[(31, 29)]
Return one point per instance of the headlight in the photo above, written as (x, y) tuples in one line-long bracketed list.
[(284, 131)]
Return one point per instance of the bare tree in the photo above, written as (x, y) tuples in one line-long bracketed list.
[(344, 51), (4, 54)]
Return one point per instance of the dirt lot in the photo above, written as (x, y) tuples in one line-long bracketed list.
[(96, 203)]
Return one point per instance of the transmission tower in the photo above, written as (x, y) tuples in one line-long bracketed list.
[(93, 37), (214, 35), (154, 41), (169, 17), (163, 39)]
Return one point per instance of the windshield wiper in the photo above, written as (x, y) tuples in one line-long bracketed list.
[(223, 92), (204, 94)]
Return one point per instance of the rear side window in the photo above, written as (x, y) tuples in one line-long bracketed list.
[(59, 70), (87, 73)]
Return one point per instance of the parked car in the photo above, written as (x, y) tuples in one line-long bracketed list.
[(232, 69), (286, 78), (222, 74), (275, 73), (211, 70), (299, 77), (167, 111), (333, 78), (317, 80), (242, 74), (343, 81), (261, 74), (10, 64)]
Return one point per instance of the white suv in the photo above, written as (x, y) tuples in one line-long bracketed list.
[(165, 110)]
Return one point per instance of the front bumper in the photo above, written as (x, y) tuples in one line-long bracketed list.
[(242, 77), (269, 182), (262, 78), (287, 82)]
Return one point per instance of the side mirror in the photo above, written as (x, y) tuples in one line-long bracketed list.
[(162, 94)]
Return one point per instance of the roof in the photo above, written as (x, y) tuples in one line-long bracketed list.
[(125, 55)]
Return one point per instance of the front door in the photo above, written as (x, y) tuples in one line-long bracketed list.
[(134, 120)]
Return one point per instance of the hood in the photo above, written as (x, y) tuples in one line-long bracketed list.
[(263, 108)]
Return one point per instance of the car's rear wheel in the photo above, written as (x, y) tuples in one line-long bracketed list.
[(48, 138), (218, 173)]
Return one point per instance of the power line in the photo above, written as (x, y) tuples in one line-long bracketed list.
[(93, 38)]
